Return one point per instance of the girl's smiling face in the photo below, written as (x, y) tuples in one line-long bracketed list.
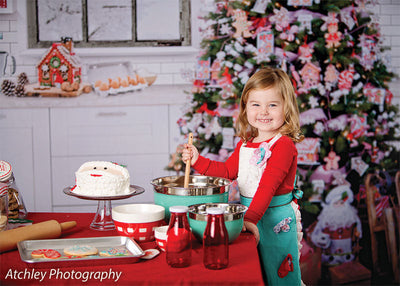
[(265, 112)]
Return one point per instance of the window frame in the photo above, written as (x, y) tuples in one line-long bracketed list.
[(184, 27)]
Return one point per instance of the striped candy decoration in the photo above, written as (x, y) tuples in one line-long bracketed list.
[(3, 189), (382, 204)]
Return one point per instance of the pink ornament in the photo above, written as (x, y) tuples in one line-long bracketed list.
[(346, 78), (241, 24), (281, 19), (305, 53), (265, 45), (358, 126), (289, 33), (331, 74), (332, 161), (312, 115), (333, 37), (310, 75)]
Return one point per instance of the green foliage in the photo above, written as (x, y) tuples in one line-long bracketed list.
[(380, 126)]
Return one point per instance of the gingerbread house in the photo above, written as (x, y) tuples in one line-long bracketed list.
[(59, 64), (310, 75), (215, 70), (308, 151)]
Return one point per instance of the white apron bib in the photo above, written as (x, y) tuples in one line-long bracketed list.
[(249, 175)]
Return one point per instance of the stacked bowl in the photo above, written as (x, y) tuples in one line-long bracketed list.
[(233, 216), (170, 191), (138, 221)]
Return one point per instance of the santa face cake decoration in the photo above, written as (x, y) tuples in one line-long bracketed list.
[(101, 178)]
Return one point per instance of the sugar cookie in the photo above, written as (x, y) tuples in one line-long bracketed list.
[(115, 251), (46, 253), (80, 250)]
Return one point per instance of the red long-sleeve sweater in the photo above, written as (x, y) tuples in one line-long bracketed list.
[(277, 179)]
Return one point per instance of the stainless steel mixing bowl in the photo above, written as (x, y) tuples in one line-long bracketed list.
[(169, 191)]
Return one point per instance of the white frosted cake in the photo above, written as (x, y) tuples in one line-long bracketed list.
[(100, 178)]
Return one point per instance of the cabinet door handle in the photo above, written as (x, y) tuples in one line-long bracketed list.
[(113, 114)]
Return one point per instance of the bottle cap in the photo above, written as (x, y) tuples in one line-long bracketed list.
[(215, 210), (178, 209), (5, 170)]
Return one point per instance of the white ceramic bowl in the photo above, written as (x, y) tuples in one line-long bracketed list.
[(160, 234), (138, 221)]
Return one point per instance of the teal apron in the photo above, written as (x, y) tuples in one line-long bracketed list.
[(274, 246), (279, 226)]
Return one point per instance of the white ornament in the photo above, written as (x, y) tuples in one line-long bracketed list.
[(305, 22), (260, 6), (318, 188), (319, 127), (346, 17), (359, 165), (225, 29), (227, 138), (313, 101)]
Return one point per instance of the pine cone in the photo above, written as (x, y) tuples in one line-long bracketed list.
[(19, 90), (7, 87), (22, 79)]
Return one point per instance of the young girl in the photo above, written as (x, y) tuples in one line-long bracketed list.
[(264, 163)]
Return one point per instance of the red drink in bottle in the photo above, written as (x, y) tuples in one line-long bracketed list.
[(215, 240), (179, 245)]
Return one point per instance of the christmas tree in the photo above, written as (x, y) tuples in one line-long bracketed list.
[(332, 51)]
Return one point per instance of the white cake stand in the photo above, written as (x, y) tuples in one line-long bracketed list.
[(103, 217)]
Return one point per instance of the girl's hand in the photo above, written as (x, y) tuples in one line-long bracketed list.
[(190, 152), (251, 227)]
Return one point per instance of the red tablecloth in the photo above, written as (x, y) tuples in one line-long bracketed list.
[(244, 267)]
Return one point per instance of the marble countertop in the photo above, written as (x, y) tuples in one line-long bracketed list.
[(153, 95)]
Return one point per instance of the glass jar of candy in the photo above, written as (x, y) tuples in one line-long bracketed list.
[(3, 206), (16, 206)]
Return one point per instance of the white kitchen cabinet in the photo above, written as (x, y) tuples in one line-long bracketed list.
[(46, 139), (135, 136), (25, 144)]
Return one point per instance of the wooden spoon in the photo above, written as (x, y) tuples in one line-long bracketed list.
[(187, 170)]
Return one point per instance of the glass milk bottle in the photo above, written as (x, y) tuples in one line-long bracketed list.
[(215, 240), (179, 245)]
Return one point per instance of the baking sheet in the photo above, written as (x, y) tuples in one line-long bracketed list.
[(112, 70), (26, 247)]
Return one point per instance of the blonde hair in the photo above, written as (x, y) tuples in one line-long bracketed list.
[(271, 78)]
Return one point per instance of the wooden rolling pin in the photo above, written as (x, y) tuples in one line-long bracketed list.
[(187, 170), (42, 230)]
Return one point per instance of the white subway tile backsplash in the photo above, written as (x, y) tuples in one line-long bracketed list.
[(4, 26), (179, 80), (164, 79), (385, 20), (172, 67), (395, 20), (151, 67), (390, 9), (13, 26), (390, 30), (10, 37), (5, 47), (395, 40)]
